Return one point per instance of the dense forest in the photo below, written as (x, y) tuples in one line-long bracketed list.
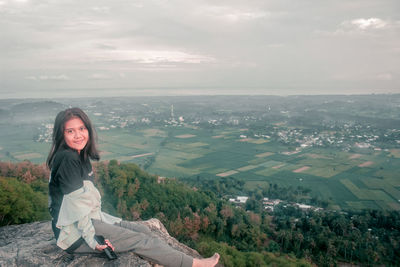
[(200, 217)]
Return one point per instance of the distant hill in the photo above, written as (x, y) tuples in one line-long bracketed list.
[(29, 112), (4, 115)]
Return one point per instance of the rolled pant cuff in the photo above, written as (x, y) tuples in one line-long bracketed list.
[(187, 261)]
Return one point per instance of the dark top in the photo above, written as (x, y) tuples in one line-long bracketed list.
[(67, 174)]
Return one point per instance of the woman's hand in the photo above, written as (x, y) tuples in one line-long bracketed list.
[(102, 247)]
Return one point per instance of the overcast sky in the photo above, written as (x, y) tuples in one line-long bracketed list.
[(57, 48)]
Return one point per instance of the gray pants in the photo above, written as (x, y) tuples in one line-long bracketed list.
[(130, 236)]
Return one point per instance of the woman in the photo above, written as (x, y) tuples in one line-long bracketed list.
[(75, 203)]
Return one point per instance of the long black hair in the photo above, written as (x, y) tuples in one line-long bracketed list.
[(89, 152)]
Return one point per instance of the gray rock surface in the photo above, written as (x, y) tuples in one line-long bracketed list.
[(33, 244)]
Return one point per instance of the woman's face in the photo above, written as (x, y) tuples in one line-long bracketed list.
[(76, 135)]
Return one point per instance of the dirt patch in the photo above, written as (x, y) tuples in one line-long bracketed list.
[(254, 141), (141, 155), (197, 144), (355, 156), (304, 168), (278, 166), (317, 156), (185, 136), (257, 141), (395, 153), (262, 155), (247, 168), (366, 164), (224, 174), (288, 153)]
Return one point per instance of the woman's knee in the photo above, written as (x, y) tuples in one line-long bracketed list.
[(135, 226)]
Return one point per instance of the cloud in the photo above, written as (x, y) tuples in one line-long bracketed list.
[(101, 9), (201, 43), (230, 14), (384, 77), (99, 76), (85, 24), (371, 23), (366, 75), (61, 77), (150, 56), (364, 25), (106, 47), (243, 16), (361, 26)]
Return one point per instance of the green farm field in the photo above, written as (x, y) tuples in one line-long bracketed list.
[(17, 144), (350, 180)]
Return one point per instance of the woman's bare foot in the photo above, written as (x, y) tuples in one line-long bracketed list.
[(208, 262)]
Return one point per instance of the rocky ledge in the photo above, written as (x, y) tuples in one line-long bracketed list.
[(33, 244)]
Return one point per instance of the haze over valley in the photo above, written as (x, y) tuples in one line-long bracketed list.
[(345, 149)]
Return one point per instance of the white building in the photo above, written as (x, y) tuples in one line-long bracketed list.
[(242, 199)]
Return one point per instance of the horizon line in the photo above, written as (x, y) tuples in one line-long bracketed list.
[(193, 95)]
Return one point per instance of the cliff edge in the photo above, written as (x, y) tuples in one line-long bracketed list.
[(33, 244)]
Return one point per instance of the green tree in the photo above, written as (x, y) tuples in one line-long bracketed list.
[(20, 204)]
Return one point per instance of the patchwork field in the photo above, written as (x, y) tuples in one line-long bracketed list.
[(349, 179), (357, 180), (395, 153), (153, 132), (28, 156)]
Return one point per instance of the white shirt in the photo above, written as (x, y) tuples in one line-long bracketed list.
[(76, 211)]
